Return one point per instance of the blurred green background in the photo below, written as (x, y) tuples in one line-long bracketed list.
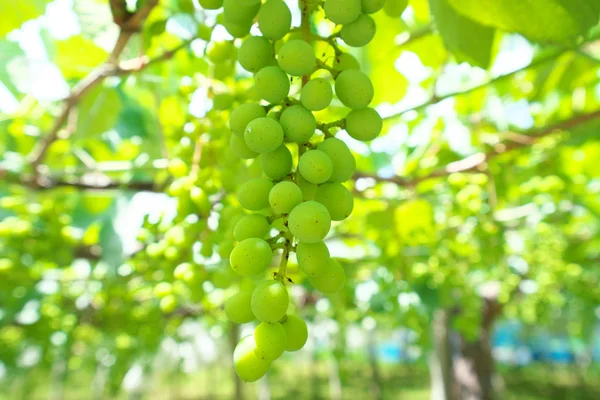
[(472, 255)]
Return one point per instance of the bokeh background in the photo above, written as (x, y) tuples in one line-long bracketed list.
[(472, 255)]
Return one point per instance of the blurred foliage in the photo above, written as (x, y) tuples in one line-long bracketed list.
[(485, 182)]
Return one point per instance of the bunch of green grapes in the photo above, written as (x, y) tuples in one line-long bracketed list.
[(301, 190)]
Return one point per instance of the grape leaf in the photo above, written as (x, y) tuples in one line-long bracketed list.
[(15, 13), (8, 51), (468, 40), (77, 56), (98, 111), (392, 88), (539, 20)]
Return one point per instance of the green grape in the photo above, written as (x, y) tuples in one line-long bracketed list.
[(251, 226), (236, 29), (345, 61), (296, 332), (207, 248), (277, 163), (255, 53), (309, 222), (316, 95), (200, 200), (297, 58), (344, 164), (372, 6), (243, 115), (272, 84), (178, 168), (313, 258), (246, 363), (186, 6), (222, 278), (218, 52), (185, 272), (359, 32), (342, 11), (332, 281), (315, 166), (240, 11), (284, 197), (251, 257), (6, 264), (308, 189), (298, 124), (354, 89), (263, 135), (270, 301), (154, 250), (223, 70), (237, 308), (172, 253), (337, 199), (364, 124), (163, 289), (204, 32), (395, 8), (222, 101), (253, 195), (168, 304), (274, 19), (211, 4), (175, 235), (240, 149), (270, 339)]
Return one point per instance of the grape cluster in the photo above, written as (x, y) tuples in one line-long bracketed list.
[(301, 190)]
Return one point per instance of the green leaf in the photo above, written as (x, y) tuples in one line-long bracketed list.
[(172, 113), (468, 40), (15, 13), (135, 121), (98, 111), (381, 60), (77, 56), (539, 20), (414, 222), (421, 10), (8, 52), (92, 234)]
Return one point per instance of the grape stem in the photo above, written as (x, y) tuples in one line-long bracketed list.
[(305, 29), (322, 65), (275, 238), (326, 128), (282, 272), (330, 40), (274, 218)]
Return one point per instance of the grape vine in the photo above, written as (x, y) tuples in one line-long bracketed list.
[(301, 191)]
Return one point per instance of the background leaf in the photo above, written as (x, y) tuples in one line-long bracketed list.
[(538, 20), (99, 111), (15, 13), (466, 39)]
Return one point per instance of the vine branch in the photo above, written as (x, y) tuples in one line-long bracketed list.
[(89, 182), (539, 61), (129, 24), (478, 160)]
